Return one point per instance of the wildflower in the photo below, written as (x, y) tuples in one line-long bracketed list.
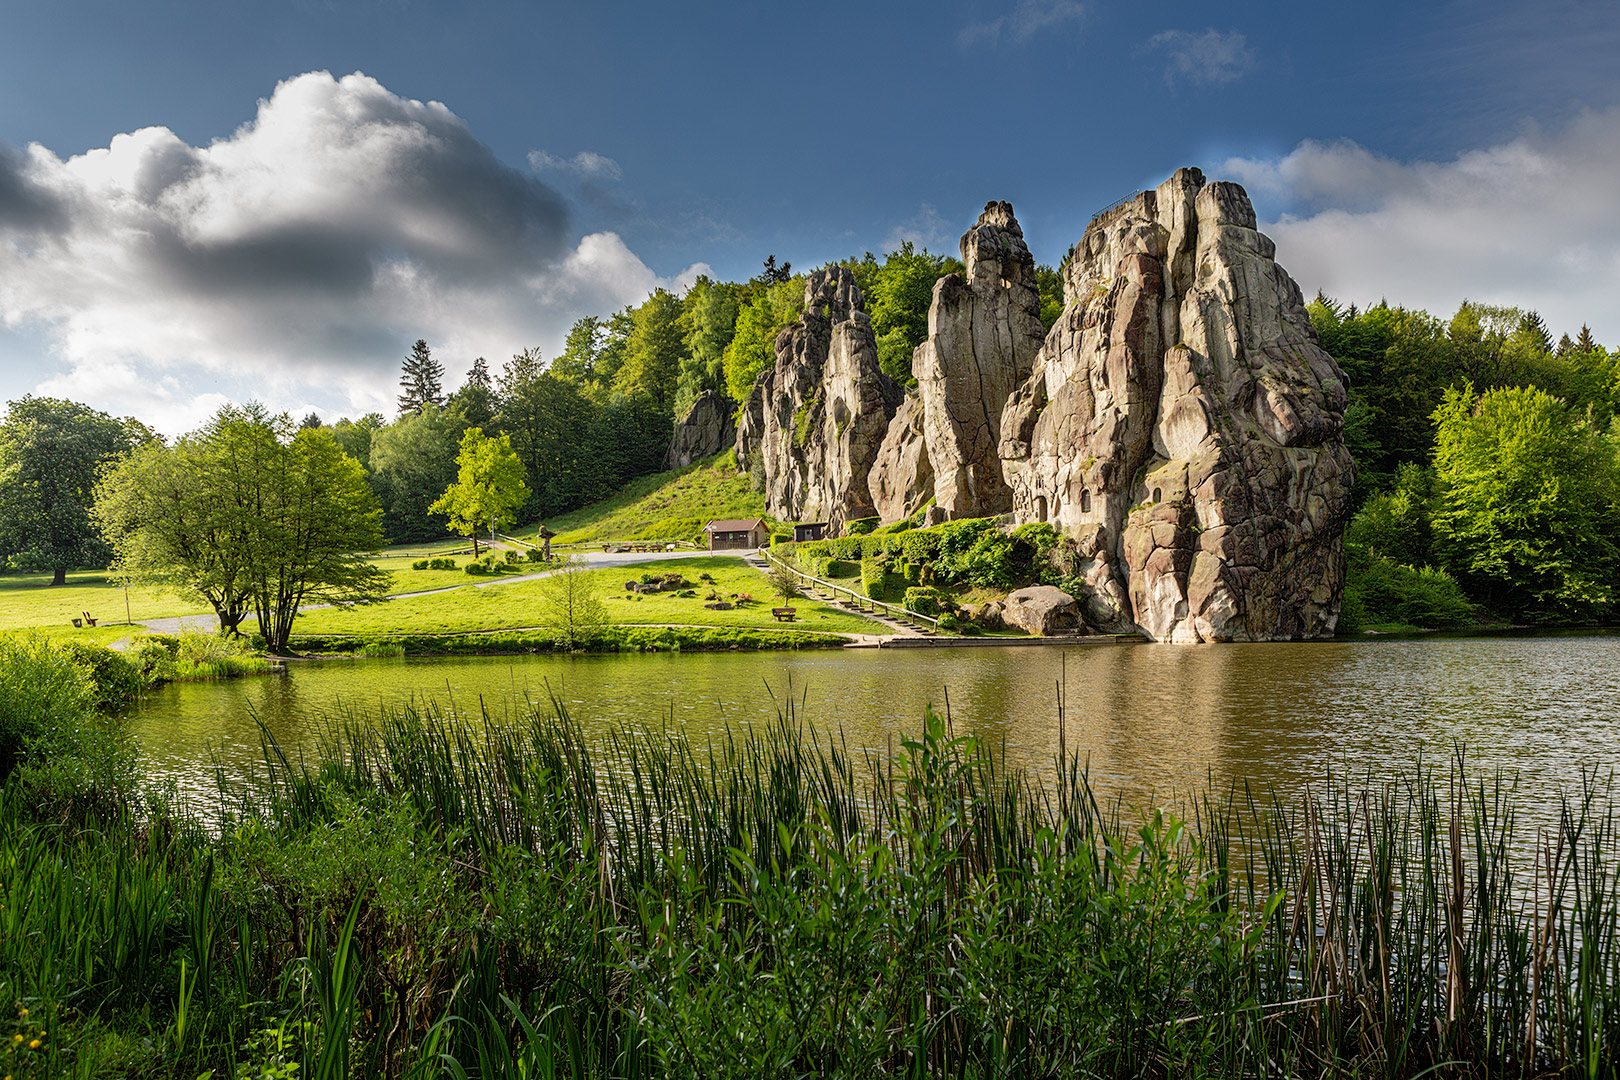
[(33, 1044)]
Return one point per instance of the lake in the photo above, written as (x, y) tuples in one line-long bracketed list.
[(1153, 720)]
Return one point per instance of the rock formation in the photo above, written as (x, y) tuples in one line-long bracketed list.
[(705, 430), (902, 478), (815, 419), (1042, 610), (984, 331), (1183, 425)]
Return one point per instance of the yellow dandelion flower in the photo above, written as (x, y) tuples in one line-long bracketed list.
[(33, 1044)]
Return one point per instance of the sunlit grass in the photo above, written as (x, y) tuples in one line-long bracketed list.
[(513, 605), (30, 600)]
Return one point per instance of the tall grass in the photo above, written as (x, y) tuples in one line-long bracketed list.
[(423, 898)]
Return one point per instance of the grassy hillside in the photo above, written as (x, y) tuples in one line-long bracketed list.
[(665, 506)]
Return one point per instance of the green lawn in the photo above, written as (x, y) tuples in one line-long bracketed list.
[(666, 506), (518, 604), (31, 600)]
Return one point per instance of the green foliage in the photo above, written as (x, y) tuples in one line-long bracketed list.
[(1050, 283), (421, 378), (489, 486), (708, 323), (654, 352), (571, 603), (247, 514), (805, 418), (874, 579), (1526, 514), (898, 293), (753, 346), (40, 685), (412, 461), (666, 506), (1396, 524), (114, 680), (924, 601), (1382, 593), (50, 454), (192, 656)]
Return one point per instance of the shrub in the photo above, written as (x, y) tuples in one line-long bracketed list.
[(1380, 591), (441, 563), (842, 568), (873, 579), (513, 558), (922, 601), (534, 555), (477, 569), (950, 622), (114, 679), (860, 526), (40, 686), (420, 564)]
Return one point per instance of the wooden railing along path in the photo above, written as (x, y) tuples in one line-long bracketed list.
[(862, 601)]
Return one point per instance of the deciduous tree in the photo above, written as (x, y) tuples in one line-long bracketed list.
[(488, 488), (50, 453)]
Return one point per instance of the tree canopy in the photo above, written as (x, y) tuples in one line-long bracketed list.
[(50, 454), (248, 514), (488, 488), (421, 379)]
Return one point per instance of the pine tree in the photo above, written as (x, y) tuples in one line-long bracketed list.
[(478, 374), (1584, 342), (310, 420), (421, 379), (1533, 330), (772, 273)]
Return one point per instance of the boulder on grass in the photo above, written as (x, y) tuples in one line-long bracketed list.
[(1042, 610)]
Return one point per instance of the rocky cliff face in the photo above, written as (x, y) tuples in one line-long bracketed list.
[(1183, 425), (705, 430), (902, 477), (984, 331), (814, 422)]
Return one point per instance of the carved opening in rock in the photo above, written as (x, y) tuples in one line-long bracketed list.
[(1158, 495), (1085, 502), (1040, 508)]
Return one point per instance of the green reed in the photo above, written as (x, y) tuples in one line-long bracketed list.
[(427, 896)]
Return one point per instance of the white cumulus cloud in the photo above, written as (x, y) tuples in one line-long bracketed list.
[(1532, 221), (296, 257)]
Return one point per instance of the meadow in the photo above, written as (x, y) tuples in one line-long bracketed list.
[(518, 604)]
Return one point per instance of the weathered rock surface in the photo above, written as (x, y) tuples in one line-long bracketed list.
[(816, 418), (902, 478), (705, 430), (984, 331), (1183, 426), (1042, 610)]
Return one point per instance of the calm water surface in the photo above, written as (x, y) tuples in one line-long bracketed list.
[(1152, 719)]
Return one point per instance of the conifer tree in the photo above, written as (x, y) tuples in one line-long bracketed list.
[(1584, 342), (421, 378), (478, 374)]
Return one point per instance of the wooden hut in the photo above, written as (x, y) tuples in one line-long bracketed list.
[(736, 535)]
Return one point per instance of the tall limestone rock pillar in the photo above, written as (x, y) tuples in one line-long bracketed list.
[(1183, 425), (814, 422), (983, 334)]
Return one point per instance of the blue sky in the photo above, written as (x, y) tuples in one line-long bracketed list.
[(296, 224)]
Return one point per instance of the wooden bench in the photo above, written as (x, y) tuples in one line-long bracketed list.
[(784, 614), (88, 620)]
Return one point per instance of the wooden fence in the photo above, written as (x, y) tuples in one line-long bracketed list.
[(862, 601)]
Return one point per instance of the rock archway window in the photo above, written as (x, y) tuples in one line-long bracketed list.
[(1085, 502), (1040, 508), (1158, 494)]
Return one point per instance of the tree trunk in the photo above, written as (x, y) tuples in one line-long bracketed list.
[(475, 543), (60, 577)]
